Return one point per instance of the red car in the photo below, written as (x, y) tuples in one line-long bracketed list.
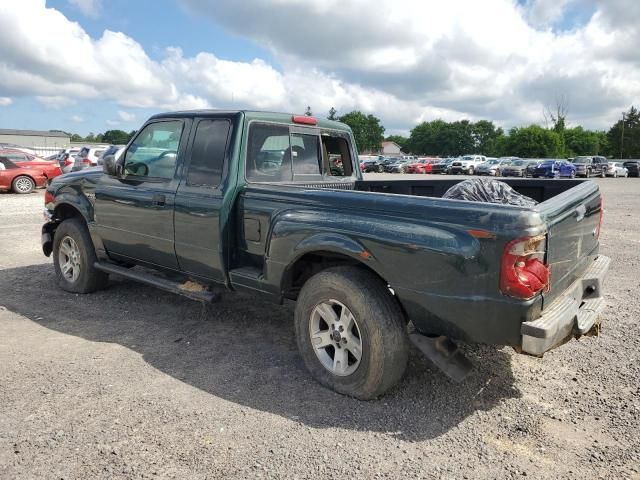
[(19, 179), (422, 165), (50, 168)]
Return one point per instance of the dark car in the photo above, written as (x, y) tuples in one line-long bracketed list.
[(587, 166), (633, 166), (399, 166), (554, 169), (518, 168), (372, 166), (246, 201), (441, 166)]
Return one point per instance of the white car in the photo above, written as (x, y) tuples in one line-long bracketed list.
[(615, 169), (88, 157), (67, 158), (466, 164)]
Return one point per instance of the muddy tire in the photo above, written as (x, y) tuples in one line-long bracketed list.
[(73, 259), (351, 332)]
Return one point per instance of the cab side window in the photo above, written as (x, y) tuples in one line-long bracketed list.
[(154, 152), (208, 152), (268, 153)]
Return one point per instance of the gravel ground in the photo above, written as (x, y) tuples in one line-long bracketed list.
[(131, 382)]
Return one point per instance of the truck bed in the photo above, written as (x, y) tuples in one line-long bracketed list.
[(538, 189)]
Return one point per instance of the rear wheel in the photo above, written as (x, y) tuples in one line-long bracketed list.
[(380, 169), (74, 257), (350, 332), (572, 174), (23, 184)]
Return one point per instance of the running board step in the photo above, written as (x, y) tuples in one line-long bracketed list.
[(159, 282), (444, 354)]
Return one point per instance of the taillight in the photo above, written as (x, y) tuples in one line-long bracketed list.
[(597, 232), (523, 273), (86, 161), (67, 161), (49, 198)]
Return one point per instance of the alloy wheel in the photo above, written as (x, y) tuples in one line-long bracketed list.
[(335, 337), (69, 259)]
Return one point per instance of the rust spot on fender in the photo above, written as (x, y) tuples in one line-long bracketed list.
[(364, 254)]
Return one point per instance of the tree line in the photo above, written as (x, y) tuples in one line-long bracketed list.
[(438, 137), (113, 137)]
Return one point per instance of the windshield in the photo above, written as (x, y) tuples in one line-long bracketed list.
[(468, 157), (518, 163), (548, 162), (581, 160)]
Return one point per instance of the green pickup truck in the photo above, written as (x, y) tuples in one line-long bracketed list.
[(275, 204)]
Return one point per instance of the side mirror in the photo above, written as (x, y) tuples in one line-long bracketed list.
[(110, 166)]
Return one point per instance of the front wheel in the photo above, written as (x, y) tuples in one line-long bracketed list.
[(470, 171), (380, 169), (74, 257), (351, 332), (23, 184)]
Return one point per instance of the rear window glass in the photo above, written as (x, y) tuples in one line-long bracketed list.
[(207, 157)]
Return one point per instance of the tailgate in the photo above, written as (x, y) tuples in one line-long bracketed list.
[(572, 220)]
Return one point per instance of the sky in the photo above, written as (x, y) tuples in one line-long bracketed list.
[(93, 65)]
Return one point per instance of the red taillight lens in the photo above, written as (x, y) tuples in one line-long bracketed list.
[(597, 232), (86, 161), (49, 198), (67, 161), (523, 273)]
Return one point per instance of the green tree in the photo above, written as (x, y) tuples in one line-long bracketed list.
[(76, 138), (624, 136), (367, 130), (427, 137), (115, 137), (486, 138), (534, 142), (400, 140), (578, 141)]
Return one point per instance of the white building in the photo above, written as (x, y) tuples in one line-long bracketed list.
[(390, 148)]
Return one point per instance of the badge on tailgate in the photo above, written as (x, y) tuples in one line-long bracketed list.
[(580, 212)]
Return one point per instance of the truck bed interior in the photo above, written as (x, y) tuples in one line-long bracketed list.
[(538, 189)]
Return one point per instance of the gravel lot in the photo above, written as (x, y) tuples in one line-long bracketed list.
[(132, 382)]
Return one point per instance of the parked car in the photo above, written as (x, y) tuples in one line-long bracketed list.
[(633, 167), (554, 169), (442, 166), (493, 167), (466, 164), (372, 166), (616, 169), (531, 166), (421, 165), (399, 166), (87, 157), (587, 166), (518, 168), (50, 168), (67, 158), (358, 263), (19, 179)]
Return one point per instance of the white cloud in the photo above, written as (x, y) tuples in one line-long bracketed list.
[(112, 123), (91, 8), (126, 116), (402, 60), (55, 101), (76, 118), (5, 101)]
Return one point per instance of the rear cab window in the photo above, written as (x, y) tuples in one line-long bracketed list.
[(292, 154)]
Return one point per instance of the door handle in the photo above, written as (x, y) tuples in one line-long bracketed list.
[(158, 199)]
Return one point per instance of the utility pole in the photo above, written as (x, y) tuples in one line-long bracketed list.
[(622, 135)]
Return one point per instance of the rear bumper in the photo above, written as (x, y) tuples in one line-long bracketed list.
[(573, 314)]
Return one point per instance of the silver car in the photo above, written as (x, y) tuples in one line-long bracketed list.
[(616, 169)]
